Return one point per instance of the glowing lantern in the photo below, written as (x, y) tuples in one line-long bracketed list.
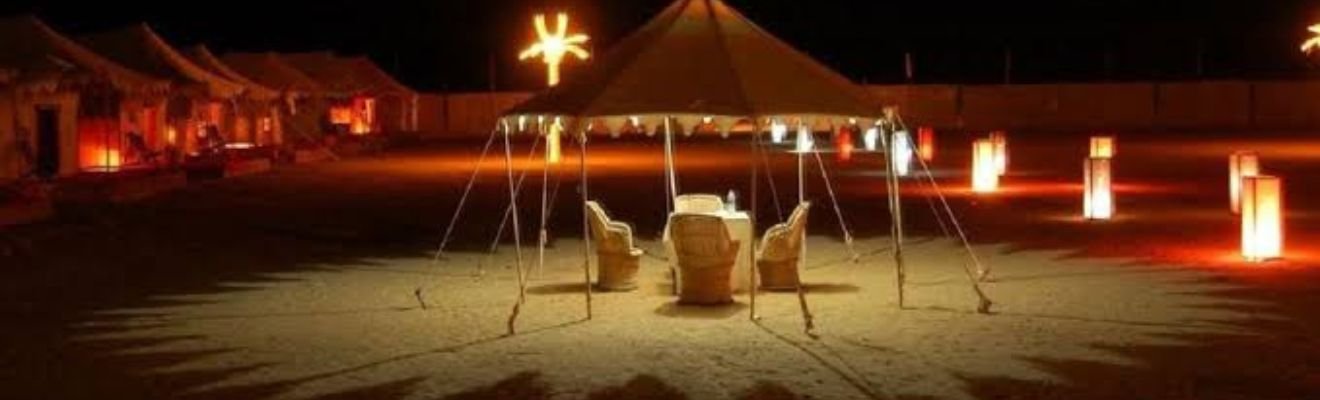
[(172, 136), (872, 138), (805, 143), (844, 142), (1098, 202), (553, 46), (778, 132), (1262, 218), (926, 143), (1314, 42), (985, 175), (1000, 140), (902, 152), (1102, 147), (1241, 165), (552, 135)]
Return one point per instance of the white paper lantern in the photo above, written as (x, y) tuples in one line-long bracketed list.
[(1262, 218), (1102, 147), (1241, 165), (805, 143), (902, 151), (778, 132), (985, 173), (872, 139), (1098, 203)]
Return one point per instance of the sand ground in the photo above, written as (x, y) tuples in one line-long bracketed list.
[(300, 284)]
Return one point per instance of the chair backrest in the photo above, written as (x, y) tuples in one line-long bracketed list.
[(610, 236), (784, 241), (698, 204), (702, 241)]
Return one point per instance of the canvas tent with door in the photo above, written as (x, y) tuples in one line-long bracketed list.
[(304, 99), (352, 106), (200, 105), (258, 115), (699, 66), (62, 104), (396, 104)]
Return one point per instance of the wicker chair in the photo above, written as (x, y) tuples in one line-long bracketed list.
[(617, 259), (698, 204), (777, 259), (706, 256)]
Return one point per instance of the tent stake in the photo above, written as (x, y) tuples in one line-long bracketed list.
[(517, 236)]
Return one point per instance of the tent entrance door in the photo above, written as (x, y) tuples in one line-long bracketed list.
[(48, 141)]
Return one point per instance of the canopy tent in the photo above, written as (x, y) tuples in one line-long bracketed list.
[(200, 102), (202, 57), (699, 65), (332, 73), (259, 113), (38, 56), (86, 93), (398, 110), (272, 71), (140, 48), (698, 59)]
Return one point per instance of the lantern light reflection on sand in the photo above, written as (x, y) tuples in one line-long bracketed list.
[(926, 143), (1241, 165), (1000, 142), (985, 177), (1262, 218), (1102, 147), (1098, 202)]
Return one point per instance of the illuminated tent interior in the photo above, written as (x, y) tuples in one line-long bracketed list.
[(200, 100), (258, 115), (397, 107), (353, 105), (304, 98), (51, 74), (699, 66)]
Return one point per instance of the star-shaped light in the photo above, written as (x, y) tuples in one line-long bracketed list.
[(1314, 42), (553, 46)]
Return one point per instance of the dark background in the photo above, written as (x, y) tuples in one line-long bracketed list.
[(460, 44)]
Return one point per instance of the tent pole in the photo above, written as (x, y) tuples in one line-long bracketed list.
[(838, 212), (807, 320), (756, 158), (895, 210), (508, 210), (545, 193), (517, 235), (462, 201), (669, 158), (586, 223)]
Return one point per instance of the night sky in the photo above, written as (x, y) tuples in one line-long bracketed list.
[(451, 45)]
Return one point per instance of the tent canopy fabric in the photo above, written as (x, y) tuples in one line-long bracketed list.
[(38, 56), (379, 82), (203, 57), (698, 59), (331, 72), (140, 48), (272, 71)]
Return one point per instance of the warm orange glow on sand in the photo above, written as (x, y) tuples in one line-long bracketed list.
[(1241, 165), (1262, 218), (985, 175), (553, 46)]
